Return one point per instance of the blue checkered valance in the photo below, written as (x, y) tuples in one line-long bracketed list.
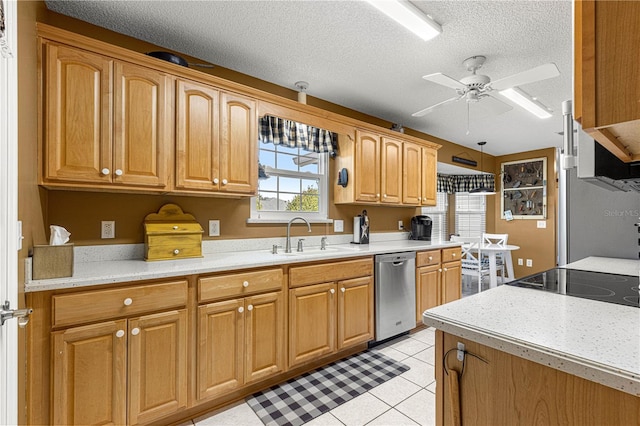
[(465, 183), (279, 131)]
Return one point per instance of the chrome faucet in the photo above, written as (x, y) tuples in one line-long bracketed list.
[(288, 246)]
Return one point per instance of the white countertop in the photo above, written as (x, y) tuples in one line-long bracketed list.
[(87, 273), (595, 340), (607, 264)]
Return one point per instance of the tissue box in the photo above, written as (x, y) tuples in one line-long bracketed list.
[(52, 261)]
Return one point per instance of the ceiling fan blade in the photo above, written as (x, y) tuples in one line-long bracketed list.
[(427, 110), (494, 105), (444, 80), (542, 72)]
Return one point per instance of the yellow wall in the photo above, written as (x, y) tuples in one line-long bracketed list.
[(537, 244)]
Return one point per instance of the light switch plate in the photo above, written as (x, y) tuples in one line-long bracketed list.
[(338, 225), (542, 224), (520, 261), (214, 228), (529, 263)]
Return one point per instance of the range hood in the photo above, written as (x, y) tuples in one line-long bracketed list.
[(599, 166)]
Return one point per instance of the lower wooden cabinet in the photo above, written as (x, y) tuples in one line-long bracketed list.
[(331, 315), (240, 341), (96, 366), (438, 278)]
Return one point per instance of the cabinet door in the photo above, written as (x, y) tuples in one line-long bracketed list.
[(238, 144), (78, 113), (366, 172), (355, 311), (197, 136), (451, 282), (89, 374), (312, 322), (142, 139), (429, 176), (220, 348), (391, 171), (157, 365), (411, 174), (427, 289), (264, 336)]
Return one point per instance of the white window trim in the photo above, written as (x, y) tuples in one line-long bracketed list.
[(322, 216)]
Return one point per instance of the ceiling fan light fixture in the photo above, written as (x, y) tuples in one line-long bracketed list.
[(516, 95), (409, 16)]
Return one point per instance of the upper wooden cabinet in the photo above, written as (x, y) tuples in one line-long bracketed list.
[(216, 140), (386, 170), (607, 76), (106, 123)]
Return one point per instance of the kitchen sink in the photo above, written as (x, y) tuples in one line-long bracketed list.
[(313, 251)]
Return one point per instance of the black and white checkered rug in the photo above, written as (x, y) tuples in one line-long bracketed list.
[(305, 397)]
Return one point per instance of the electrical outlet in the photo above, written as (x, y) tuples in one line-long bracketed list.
[(400, 225), (338, 225), (542, 224), (520, 261), (529, 263), (108, 229), (214, 228)]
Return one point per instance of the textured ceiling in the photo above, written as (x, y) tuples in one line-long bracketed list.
[(354, 56)]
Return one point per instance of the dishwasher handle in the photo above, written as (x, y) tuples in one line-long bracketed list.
[(398, 263)]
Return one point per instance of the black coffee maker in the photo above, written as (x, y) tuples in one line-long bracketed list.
[(420, 228)]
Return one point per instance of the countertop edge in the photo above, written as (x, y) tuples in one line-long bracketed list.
[(618, 379)]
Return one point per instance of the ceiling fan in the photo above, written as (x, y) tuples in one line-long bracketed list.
[(478, 88)]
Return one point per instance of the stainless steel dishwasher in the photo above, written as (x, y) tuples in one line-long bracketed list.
[(395, 293)]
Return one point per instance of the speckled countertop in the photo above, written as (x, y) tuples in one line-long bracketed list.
[(101, 265), (595, 340)]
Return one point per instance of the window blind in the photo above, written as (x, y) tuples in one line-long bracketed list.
[(470, 215), (438, 215)]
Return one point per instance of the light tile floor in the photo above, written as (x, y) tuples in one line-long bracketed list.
[(408, 399)]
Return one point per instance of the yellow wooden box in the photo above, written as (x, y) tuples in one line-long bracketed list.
[(171, 234)]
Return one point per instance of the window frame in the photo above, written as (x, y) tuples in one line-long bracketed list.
[(321, 216)]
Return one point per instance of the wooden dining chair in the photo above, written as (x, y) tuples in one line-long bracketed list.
[(472, 264), (497, 239)]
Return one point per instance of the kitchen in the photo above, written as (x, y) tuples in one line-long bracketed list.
[(89, 208)]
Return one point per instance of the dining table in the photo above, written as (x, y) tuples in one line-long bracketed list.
[(492, 250)]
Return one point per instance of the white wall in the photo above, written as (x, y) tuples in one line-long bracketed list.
[(601, 222)]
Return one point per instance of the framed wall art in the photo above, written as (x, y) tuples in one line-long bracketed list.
[(5, 51), (524, 189)]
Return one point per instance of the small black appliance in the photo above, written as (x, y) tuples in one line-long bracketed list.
[(420, 228)]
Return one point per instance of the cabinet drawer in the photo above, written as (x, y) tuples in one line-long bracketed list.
[(450, 254), (98, 305), (240, 284), (427, 258), (179, 247), (326, 272)]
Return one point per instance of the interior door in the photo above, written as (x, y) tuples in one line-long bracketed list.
[(9, 213)]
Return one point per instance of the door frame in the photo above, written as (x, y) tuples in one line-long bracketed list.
[(9, 212)]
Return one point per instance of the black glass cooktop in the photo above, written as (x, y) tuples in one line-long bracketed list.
[(613, 288)]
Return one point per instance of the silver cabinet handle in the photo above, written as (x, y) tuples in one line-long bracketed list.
[(224, 181), (176, 251), (135, 331), (215, 180), (445, 269), (343, 289), (245, 284), (332, 291), (120, 333), (430, 258), (241, 309), (105, 171), (440, 270), (128, 301), (118, 172), (250, 307)]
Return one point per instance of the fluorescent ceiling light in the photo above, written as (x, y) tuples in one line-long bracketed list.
[(409, 16), (516, 95)]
